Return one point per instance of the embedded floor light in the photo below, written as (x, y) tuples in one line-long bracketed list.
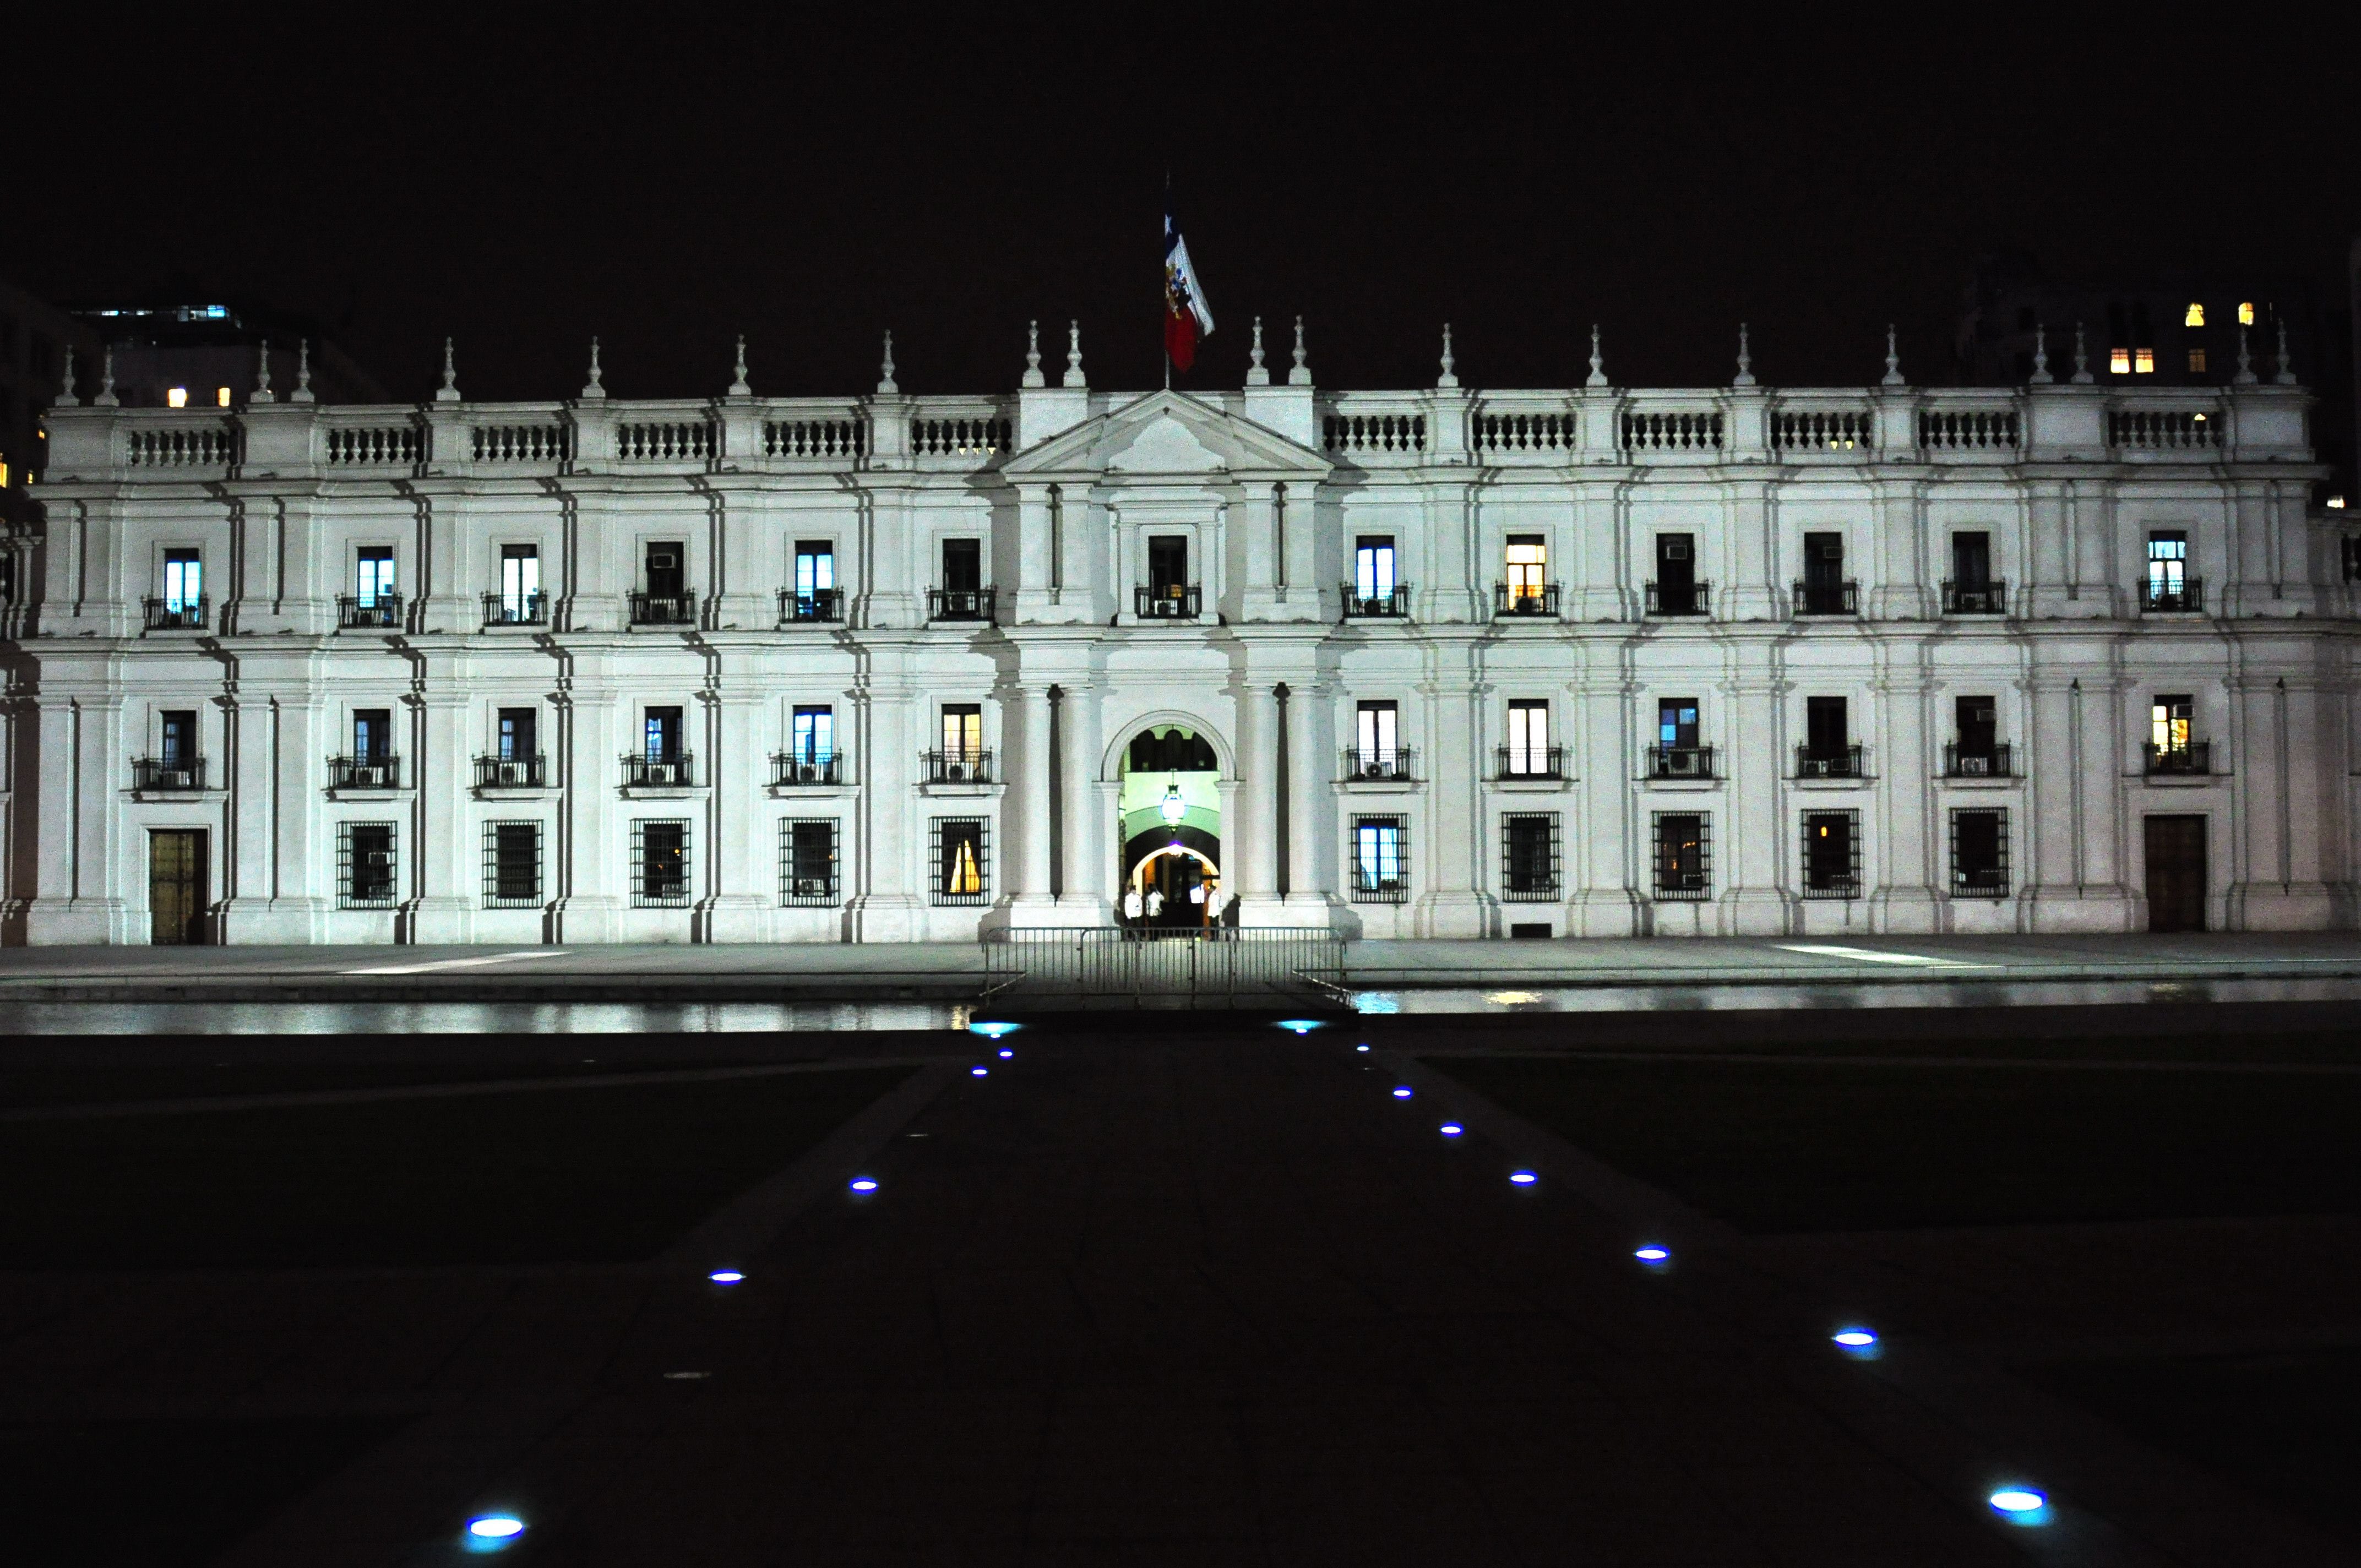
[(1523, 1178), (1451, 1129), (725, 1277), (1402, 1093), (1301, 1025), (492, 1532), (2020, 1505), (1360, 1048), (979, 1071), (1859, 1343), (863, 1184), (1653, 1256), (993, 1030), (1004, 1056)]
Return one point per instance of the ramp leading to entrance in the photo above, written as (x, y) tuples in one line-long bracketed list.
[(1222, 968)]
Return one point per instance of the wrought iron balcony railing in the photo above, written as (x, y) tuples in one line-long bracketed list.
[(516, 609), (1678, 598), (1680, 762), (1393, 604), (381, 613), (2195, 757), (1997, 760), (181, 615), (1394, 764), (819, 606), (1529, 761), (677, 770), (2188, 597), (379, 771), (959, 767), (1524, 598), (511, 772), (961, 604), (159, 775), (1175, 601), (1975, 598), (664, 610), (1828, 761), (1829, 599), (806, 768)]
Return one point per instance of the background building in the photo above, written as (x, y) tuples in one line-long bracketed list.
[(176, 355)]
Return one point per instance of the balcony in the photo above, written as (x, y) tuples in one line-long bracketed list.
[(1680, 762), (961, 604), (1392, 605), (664, 610), (2192, 759), (512, 773), (1974, 599), (1384, 764), (175, 775), (1828, 761), (806, 770), (2185, 597), (365, 772), (1678, 598), (180, 615), (516, 609), (958, 767), (1529, 761), (382, 613), (1997, 760), (1536, 599), (678, 770), (1829, 599), (819, 607), (1174, 601)]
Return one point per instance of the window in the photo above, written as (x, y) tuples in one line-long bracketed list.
[(2143, 361), (962, 565), (2197, 362), (2246, 312), (1676, 559), (1823, 561), (365, 868), (2167, 568), (184, 581), (512, 865), (1828, 740), (815, 576), (1528, 571), (1529, 855), (1978, 719), (519, 742), (1979, 854), (373, 735), (1683, 858), (2194, 315), (962, 731), (807, 864), (1677, 723), (220, 397), (660, 734), (177, 398), (660, 865), (1529, 741), (667, 572), (375, 580), (520, 583), (2119, 361), (813, 736), (1372, 567), (178, 738), (962, 856), (1168, 565), (1381, 869), (1377, 743), (2168, 723), (1971, 590), (1831, 854)]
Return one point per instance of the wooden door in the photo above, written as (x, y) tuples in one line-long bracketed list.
[(176, 886), (2176, 874)]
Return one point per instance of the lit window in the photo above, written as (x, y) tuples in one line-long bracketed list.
[(2196, 316), (2167, 723), (220, 396), (2336, 502), (1528, 569), (2197, 361), (178, 398), (2246, 312), (2143, 361), (2119, 361), (3, 474)]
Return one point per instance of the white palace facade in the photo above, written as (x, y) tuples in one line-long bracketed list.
[(1597, 660)]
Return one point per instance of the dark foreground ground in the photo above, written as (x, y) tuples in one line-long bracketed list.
[(1193, 1291)]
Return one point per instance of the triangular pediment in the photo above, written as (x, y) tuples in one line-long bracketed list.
[(1169, 436)]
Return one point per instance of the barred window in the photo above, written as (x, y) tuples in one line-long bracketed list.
[(512, 865), (1683, 853), (1832, 854), (365, 866), (962, 849), (1980, 854), (1529, 855), (1380, 859), (807, 863), (660, 865)]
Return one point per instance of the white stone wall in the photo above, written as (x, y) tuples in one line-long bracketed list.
[(1272, 486)]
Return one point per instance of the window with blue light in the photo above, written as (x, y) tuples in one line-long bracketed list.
[(2167, 563), (814, 734), (1676, 722), (184, 579), (1373, 566), (1381, 851), (375, 579)]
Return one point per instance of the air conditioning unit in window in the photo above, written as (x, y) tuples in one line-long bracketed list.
[(1682, 763), (368, 775), (511, 773), (955, 773), (377, 857), (1816, 767), (1676, 551), (1975, 767)]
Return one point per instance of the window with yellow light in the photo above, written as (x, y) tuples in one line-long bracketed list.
[(2196, 316)]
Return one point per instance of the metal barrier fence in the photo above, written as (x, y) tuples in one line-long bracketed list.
[(1232, 965)]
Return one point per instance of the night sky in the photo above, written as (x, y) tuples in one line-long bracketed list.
[(667, 177)]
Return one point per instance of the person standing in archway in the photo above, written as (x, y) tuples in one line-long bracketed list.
[(1132, 908), (1155, 904)]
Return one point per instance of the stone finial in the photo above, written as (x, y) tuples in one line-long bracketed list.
[(1032, 377), (1256, 375), (1893, 377), (1745, 376), (1449, 378), (1073, 376), (740, 387), (66, 398), (1302, 375), (107, 398), (2082, 377), (886, 385), (2286, 376), (302, 392), (2041, 375), (2245, 375), (1597, 377), (262, 392), (448, 393), (595, 386)]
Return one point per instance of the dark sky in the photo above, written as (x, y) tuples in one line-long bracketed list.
[(668, 177)]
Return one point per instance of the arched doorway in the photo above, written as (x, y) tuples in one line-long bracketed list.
[(1170, 803)]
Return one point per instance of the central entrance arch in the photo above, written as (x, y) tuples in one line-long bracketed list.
[(1170, 829)]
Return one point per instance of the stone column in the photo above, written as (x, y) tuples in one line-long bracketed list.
[(1755, 829), (1905, 800), (887, 710), (1026, 811), (741, 869), (443, 907), (584, 860), (1747, 585), (1250, 838), (1606, 844), (1453, 903)]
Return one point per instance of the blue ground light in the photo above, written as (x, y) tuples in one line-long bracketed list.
[(1005, 1056), (978, 1072), (1360, 1048), (1451, 1129), (494, 1532), (993, 1031), (1402, 1093), (1653, 1256), (1523, 1178), (1301, 1025), (726, 1276), (863, 1184), (2021, 1505), (1861, 1344)]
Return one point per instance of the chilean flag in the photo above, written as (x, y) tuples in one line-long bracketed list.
[(1186, 318)]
